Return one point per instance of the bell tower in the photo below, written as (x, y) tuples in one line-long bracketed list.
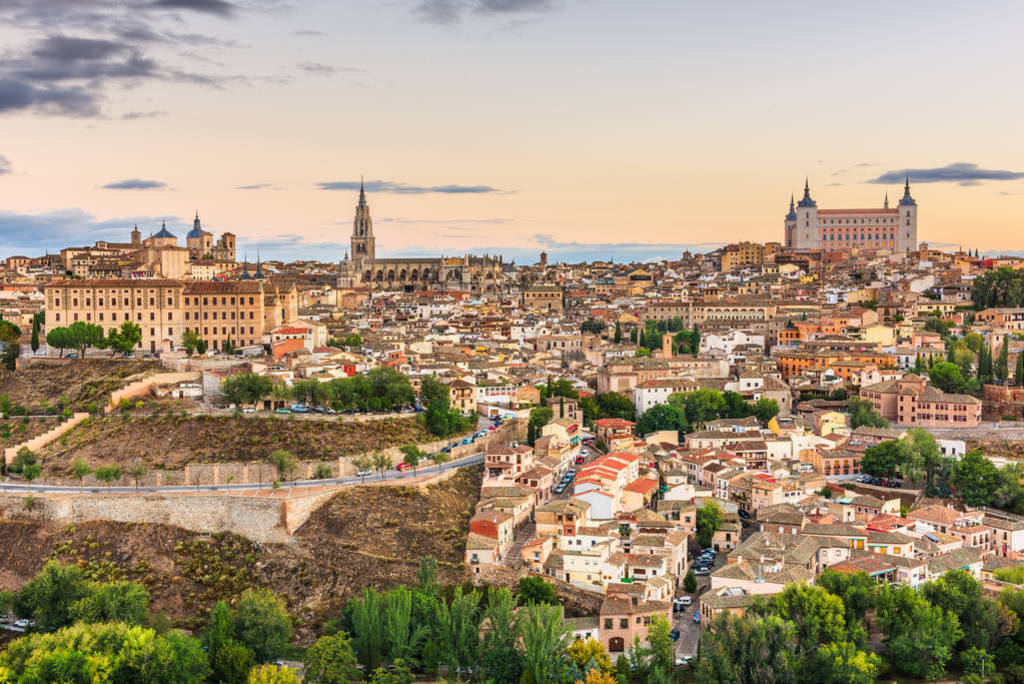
[(363, 242)]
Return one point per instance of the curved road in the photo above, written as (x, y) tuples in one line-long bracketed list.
[(389, 474)]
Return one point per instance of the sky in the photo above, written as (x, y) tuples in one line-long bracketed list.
[(591, 129)]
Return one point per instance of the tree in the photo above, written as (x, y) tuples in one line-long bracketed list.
[(137, 472), (35, 335), (331, 660), (615, 405), (272, 674), (396, 673), (126, 602), (47, 598), (108, 474), (960, 594), (765, 409), (921, 636), (844, 663), (690, 582), (368, 638), (589, 655), (112, 651), (660, 643), (85, 335), (381, 463), (544, 639), (701, 406), (362, 464), (662, 417), (817, 614), (25, 457), (856, 590), (500, 626), (230, 661), (884, 459), (192, 343), (59, 338), (458, 630), (31, 472), (79, 469), (535, 589), (921, 453), (246, 388), (262, 623), (947, 376), (749, 649), (123, 340), (1002, 364), (283, 461), (863, 413), (413, 455), (617, 339), (976, 479), (709, 518), (404, 637), (1018, 373)]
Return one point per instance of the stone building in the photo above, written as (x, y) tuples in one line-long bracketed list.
[(807, 227), (362, 268)]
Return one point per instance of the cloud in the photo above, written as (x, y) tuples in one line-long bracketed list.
[(5, 165), (307, 32), (452, 11), (962, 173), (64, 101), (216, 7), (397, 188), (257, 186), (131, 116), (135, 184), (35, 234)]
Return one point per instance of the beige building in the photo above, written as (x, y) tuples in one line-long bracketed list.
[(240, 311)]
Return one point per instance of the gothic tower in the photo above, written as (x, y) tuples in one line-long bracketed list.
[(363, 242)]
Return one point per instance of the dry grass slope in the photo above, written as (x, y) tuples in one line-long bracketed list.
[(81, 382)]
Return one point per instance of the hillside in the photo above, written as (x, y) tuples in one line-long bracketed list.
[(82, 384), (373, 536), (172, 441)]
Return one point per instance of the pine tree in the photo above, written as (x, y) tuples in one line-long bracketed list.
[(1002, 369)]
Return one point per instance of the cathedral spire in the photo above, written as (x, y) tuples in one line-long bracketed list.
[(362, 192), (885, 205)]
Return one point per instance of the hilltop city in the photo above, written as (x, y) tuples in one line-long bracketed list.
[(790, 461)]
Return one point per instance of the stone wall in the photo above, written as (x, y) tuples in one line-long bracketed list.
[(42, 440), (144, 387), (266, 516)]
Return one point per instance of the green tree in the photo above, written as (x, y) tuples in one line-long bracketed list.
[(283, 461), (246, 388), (921, 637), (331, 660), (701, 406), (108, 474), (615, 405), (690, 582), (230, 661), (113, 602), (818, 615), (404, 637), (976, 479), (458, 630), (765, 409), (862, 413), (617, 339), (262, 623), (47, 598), (381, 463), (709, 519), (856, 590), (947, 376), (662, 417), (535, 589), (35, 335), (413, 455), (24, 458), (368, 637), (1002, 364), (272, 674), (1018, 373), (754, 649), (85, 335), (921, 453), (960, 594), (500, 626), (884, 459), (544, 640), (660, 643), (113, 651), (192, 342), (844, 663), (123, 340)]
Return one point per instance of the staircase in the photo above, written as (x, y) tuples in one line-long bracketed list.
[(514, 556)]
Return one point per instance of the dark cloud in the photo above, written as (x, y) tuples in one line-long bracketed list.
[(962, 173), (66, 101), (5, 166), (135, 184), (36, 234), (131, 116), (217, 7), (452, 11), (397, 188)]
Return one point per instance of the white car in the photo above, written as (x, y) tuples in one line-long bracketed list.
[(248, 409), (364, 473)]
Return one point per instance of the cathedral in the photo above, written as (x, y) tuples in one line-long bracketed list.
[(362, 268)]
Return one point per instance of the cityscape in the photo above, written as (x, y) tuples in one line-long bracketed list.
[(646, 401)]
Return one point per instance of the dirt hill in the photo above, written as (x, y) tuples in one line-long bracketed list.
[(79, 383), (372, 536), (172, 441)]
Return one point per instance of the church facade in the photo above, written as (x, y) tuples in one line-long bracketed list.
[(363, 269), (808, 227)]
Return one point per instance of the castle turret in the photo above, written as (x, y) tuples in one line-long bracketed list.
[(806, 230), (906, 237)]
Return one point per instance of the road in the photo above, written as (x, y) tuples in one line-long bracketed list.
[(297, 484)]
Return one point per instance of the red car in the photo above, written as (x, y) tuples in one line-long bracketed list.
[(402, 466)]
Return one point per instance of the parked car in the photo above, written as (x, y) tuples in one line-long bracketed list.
[(895, 484), (299, 408), (402, 466), (559, 488), (696, 617), (579, 460), (364, 473), (702, 571), (680, 603), (282, 411), (249, 409), (683, 661), (673, 634)]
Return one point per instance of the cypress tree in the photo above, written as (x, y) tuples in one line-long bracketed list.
[(1018, 374), (618, 333), (35, 334), (1002, 369)]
